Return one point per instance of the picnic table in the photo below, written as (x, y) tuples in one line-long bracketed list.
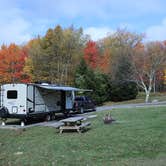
[(74, 123)]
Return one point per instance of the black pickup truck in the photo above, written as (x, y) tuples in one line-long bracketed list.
[(83, 103)]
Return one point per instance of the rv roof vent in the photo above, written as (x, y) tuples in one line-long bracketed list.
[(44, 83)]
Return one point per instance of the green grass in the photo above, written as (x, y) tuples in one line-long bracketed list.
[(141, 99), (137, 138)]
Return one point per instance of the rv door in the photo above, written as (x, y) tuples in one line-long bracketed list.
[(69, 100)]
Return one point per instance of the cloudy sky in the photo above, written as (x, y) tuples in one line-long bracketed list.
[(21, 20)]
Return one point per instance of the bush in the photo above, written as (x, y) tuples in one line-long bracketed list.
[(124, 90)]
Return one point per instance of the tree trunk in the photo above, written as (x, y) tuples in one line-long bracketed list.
[(147, 91), (147, 97), (154, 84)]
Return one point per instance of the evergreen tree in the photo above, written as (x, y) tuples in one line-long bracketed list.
[(86, 78)]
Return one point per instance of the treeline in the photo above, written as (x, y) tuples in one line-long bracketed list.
[(115, 68)]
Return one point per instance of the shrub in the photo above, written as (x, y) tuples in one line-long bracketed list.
[(123, 90)]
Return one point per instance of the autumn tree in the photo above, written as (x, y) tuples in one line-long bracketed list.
[(34, 63), (91, 54), (118, 49), (12, 61), (147, 61), (104, 61), (72, 51), (53, 56), (122, 44)]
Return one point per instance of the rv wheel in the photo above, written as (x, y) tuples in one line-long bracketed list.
[(66, 114), (48, 118)]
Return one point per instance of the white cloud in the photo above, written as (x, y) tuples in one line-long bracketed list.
[(97, 33), (20, 19), (14, 31), (157, 32), (13, 27)]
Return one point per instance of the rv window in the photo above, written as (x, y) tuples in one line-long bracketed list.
[(12, 94)]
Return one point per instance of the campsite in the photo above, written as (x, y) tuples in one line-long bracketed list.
[(82, 83)]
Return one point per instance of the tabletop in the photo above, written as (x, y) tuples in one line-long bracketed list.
[(72, 119)]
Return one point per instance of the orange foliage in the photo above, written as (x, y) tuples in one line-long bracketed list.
[(93, 58), (12, 61), (91, 54), (104, 63)]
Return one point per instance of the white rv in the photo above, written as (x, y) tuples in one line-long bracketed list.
[(25, 101)]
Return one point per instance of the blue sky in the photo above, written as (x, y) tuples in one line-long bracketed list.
[(21, 20)]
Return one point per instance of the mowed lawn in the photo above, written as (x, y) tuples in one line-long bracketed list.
[(137, 138), (141, 99)]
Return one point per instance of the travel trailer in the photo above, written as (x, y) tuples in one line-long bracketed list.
[(26, 101)]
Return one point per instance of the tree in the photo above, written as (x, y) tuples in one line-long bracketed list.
[(91, 54), (73, 51), (35, 63), (105, 61), (122, 44), (86, 78), (123, 90), (81, 75), (119, 48), (147, 61), (12, 61), (54, 56)]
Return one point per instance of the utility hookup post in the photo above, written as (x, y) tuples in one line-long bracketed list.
[(22, 124), (3, 123)]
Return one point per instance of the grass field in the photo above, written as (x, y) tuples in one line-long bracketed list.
[(141, 98), (137, 138)]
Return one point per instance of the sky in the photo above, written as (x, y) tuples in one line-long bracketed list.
[(22, 20)]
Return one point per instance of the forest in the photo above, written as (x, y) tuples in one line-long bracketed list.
[(115, 67)]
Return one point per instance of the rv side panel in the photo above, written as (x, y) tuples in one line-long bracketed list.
[(1, 95), (30, 99)]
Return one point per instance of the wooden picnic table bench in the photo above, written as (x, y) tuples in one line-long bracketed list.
[(74, 123)]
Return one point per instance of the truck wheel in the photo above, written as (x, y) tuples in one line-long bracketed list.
[(81, 110), (66, 114), (48, 118)]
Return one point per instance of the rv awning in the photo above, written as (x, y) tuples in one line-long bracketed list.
[(63, 88)]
